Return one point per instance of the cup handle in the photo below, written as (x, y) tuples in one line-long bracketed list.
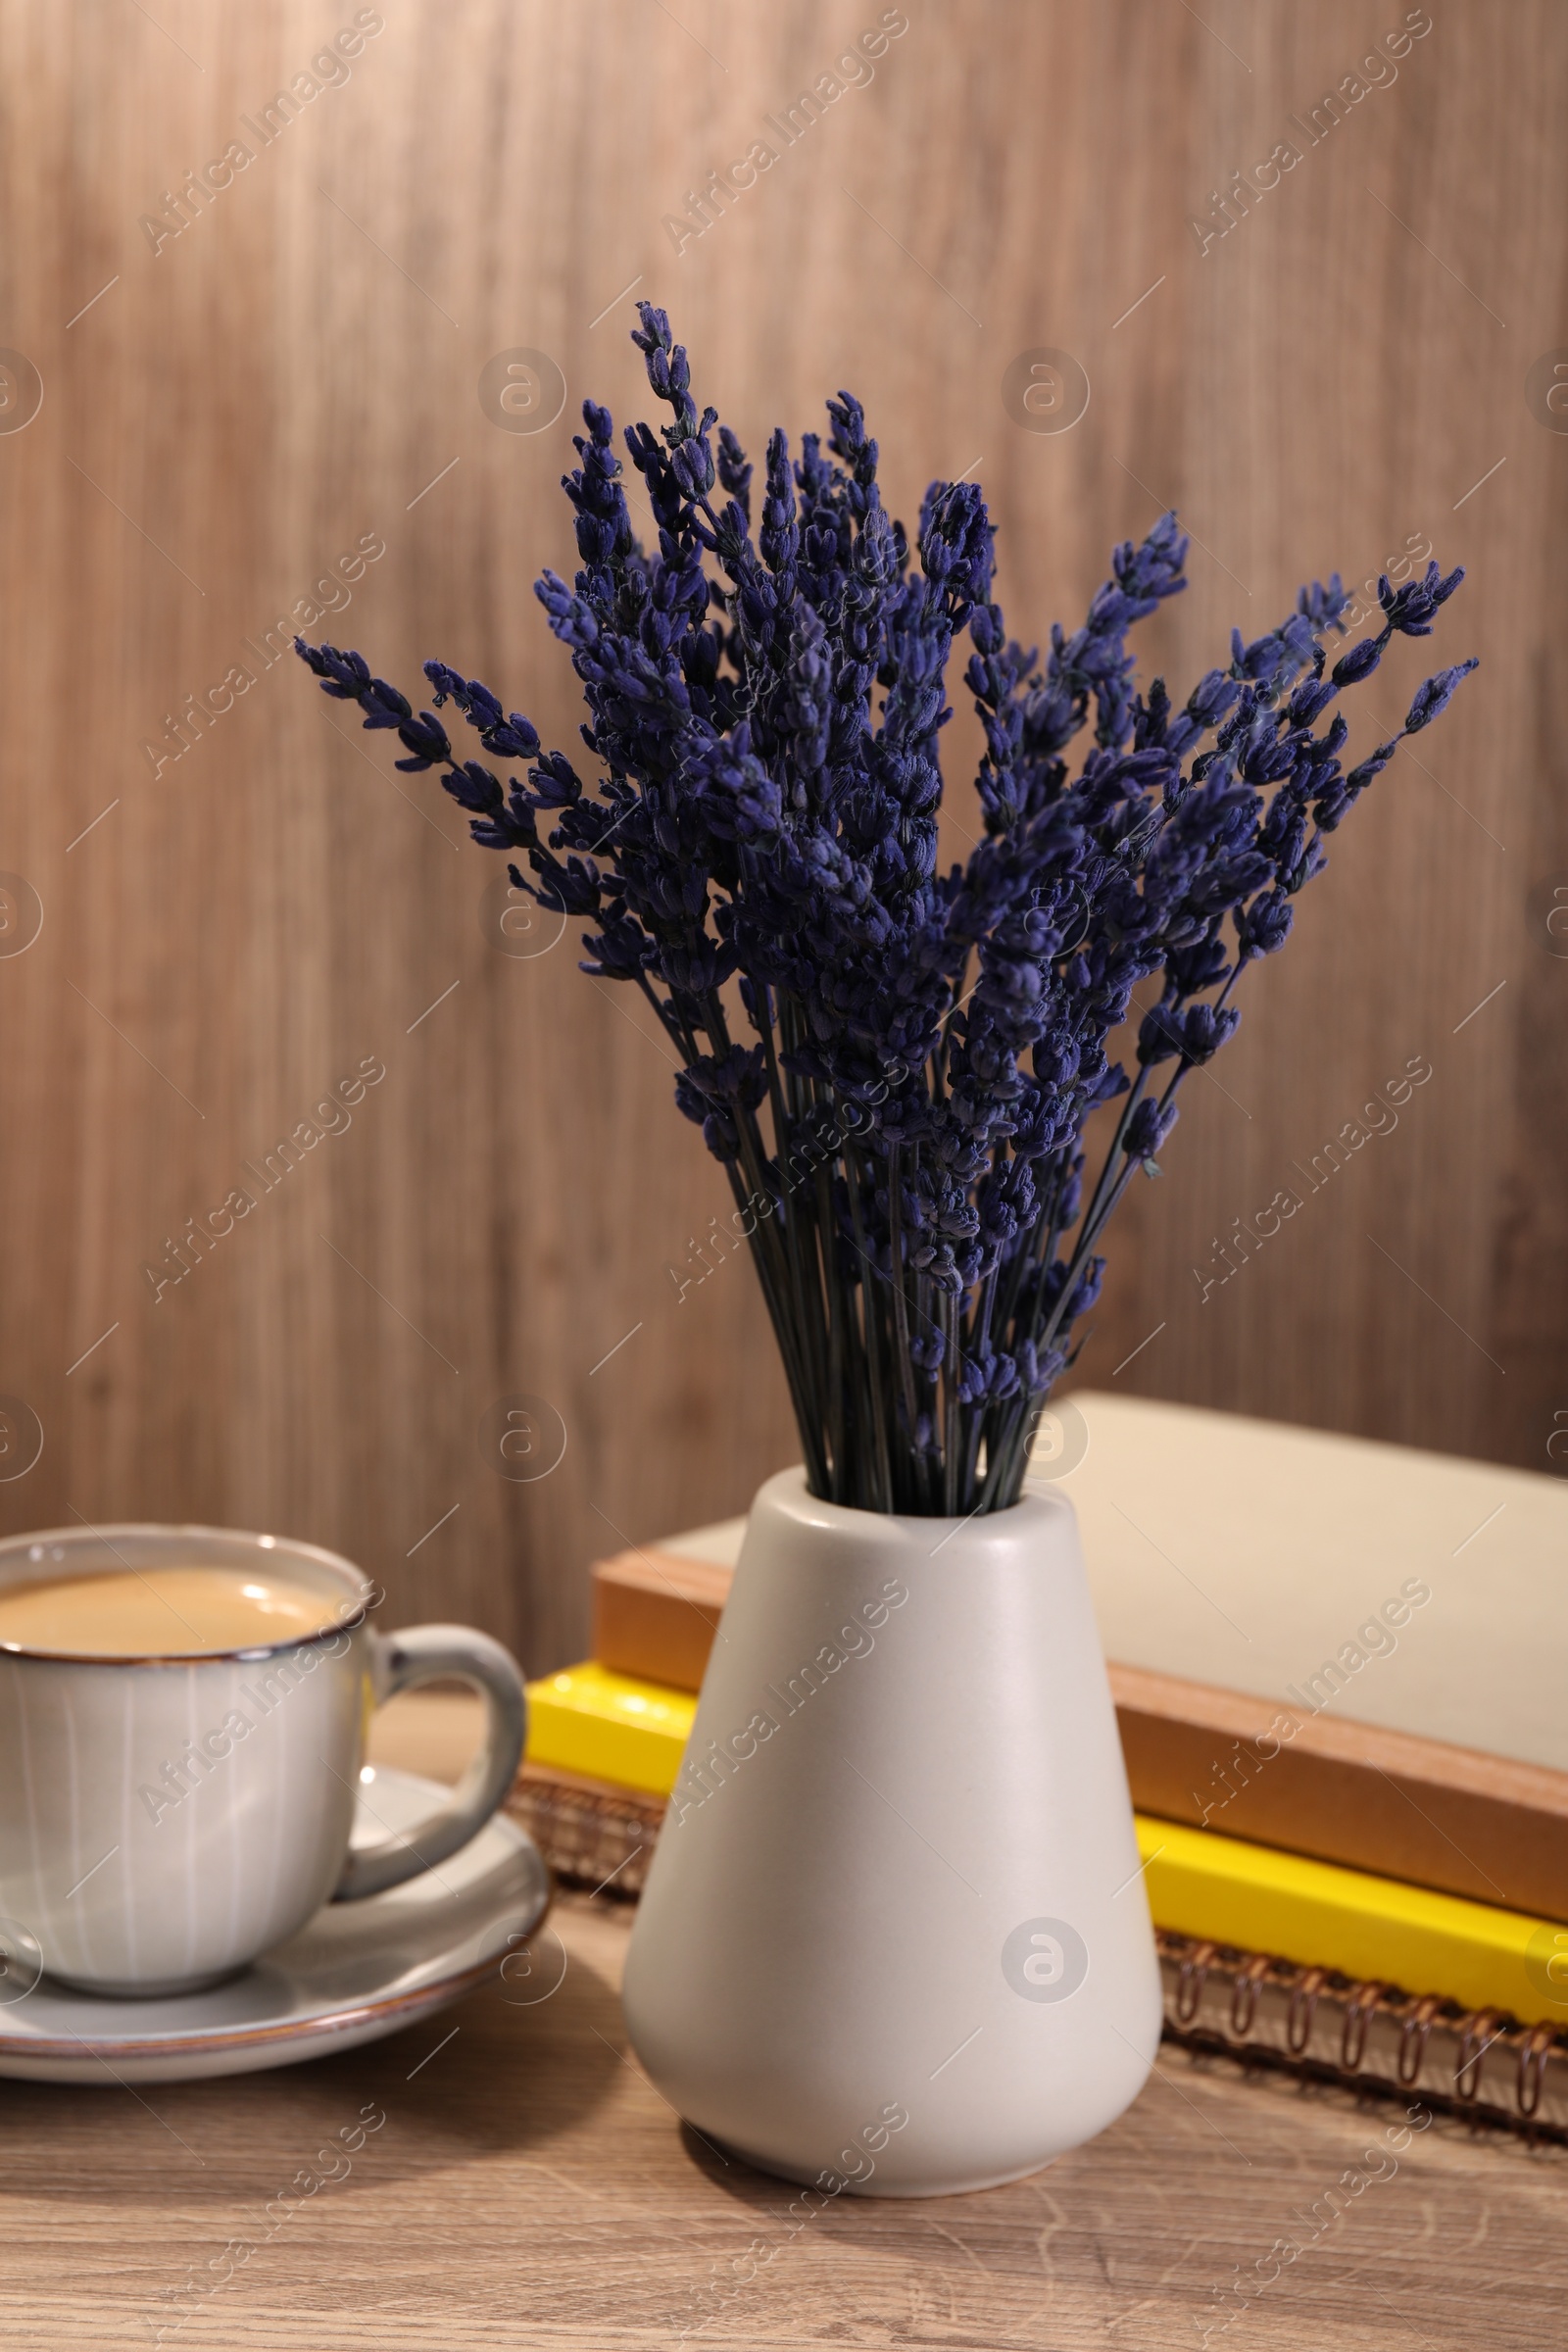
[(425, 1654)]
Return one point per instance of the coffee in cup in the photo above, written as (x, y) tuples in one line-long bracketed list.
[(193, 1610)]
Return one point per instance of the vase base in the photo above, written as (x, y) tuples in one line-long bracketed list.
[(871, 2186)]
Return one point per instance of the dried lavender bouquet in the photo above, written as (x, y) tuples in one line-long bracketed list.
[(905, 1139)]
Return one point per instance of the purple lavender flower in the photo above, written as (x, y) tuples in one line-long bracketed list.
[(906, 1136)]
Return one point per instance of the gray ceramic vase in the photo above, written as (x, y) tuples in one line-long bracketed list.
[(896, 1938)]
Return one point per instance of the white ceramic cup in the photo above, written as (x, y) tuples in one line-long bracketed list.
[(166, 1820)]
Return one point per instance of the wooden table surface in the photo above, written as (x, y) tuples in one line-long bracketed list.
[(529, 2188)]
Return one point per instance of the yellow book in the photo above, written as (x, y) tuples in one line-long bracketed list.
[(1370, 1929), (614, 1727), (588, 1719)]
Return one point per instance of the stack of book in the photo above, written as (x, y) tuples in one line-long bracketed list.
[(1338, 1672)]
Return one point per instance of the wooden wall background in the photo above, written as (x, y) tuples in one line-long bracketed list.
[(299, 366)]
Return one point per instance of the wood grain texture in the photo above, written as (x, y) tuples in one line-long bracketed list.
[(298, 367), (530, 2190)]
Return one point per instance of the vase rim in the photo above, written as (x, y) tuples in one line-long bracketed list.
[(787, 1491)]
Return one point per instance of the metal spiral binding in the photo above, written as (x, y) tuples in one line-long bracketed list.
[(1482, 2027), (1531, 2094), (1303, 2011), (1244, 1994), (1532, 2058), (1364, 2001), (1190, 1990), (1414, 2036)]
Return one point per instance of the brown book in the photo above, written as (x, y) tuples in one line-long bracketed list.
[(654, 1615), (1261, 2010), (1490, 1827)]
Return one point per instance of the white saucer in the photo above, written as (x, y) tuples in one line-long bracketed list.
[(355, 1972)]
